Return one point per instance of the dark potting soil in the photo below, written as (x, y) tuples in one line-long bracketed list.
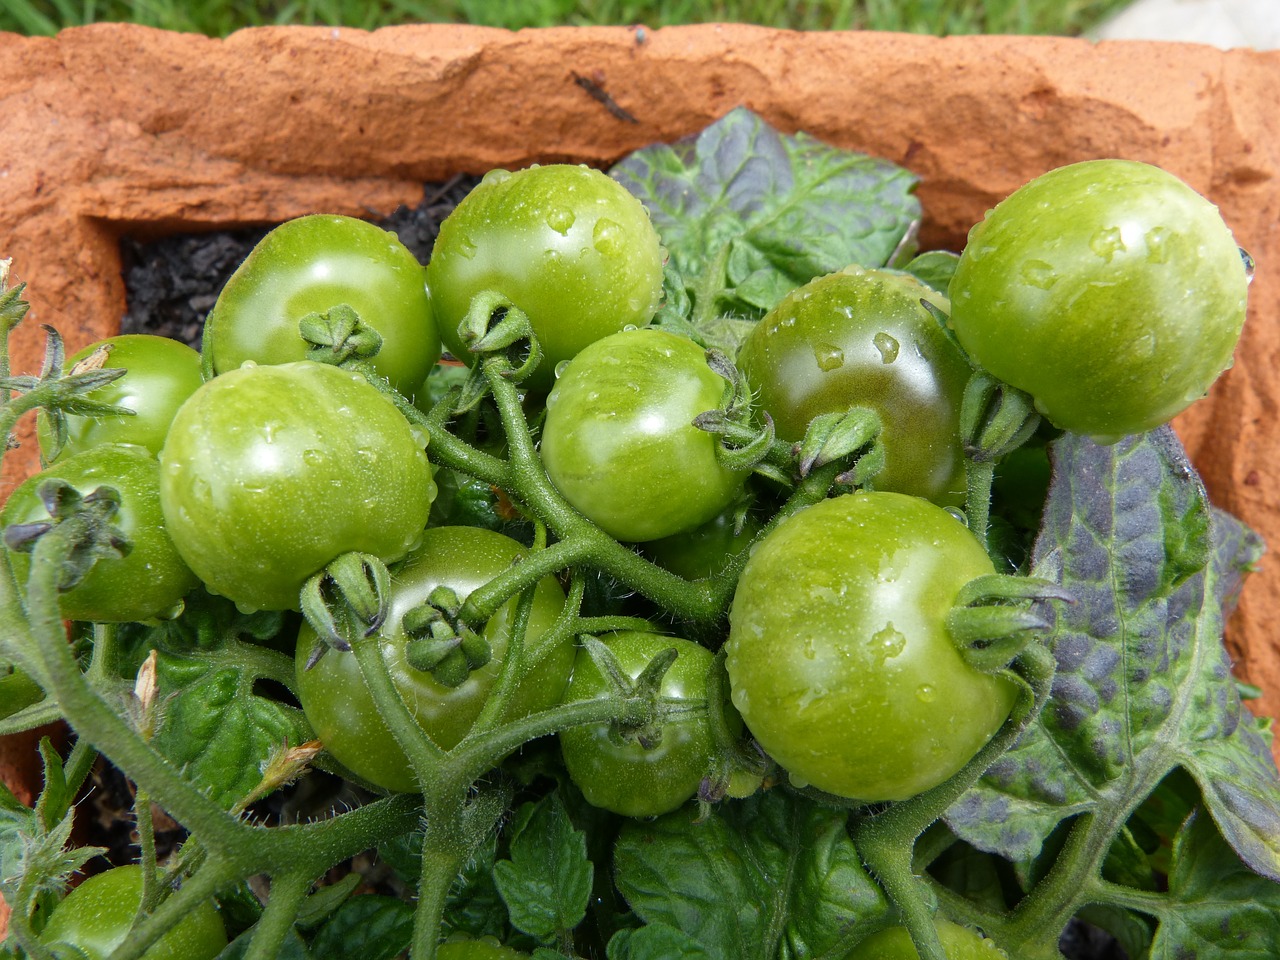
[(171, 285)]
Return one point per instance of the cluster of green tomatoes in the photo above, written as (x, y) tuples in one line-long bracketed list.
[(1108, 291)]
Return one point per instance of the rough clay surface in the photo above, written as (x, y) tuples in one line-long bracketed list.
[(117, 130)]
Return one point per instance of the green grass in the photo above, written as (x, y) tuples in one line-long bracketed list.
[(220, 17)]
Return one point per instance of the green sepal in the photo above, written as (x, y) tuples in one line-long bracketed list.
[(339, 336)]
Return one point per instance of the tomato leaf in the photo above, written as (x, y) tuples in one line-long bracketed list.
[(216, 727), (1218, 907), (292, 949), (371, 927), (1143, 684), (771, 876), (748, 213), (547, 882), (657, 941)]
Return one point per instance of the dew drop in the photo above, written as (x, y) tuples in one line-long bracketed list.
[(828, 356), (1157, 240), (313, 458), (887, 345), (608, 237), (561, 367), (808, 649), (888, 642), (495, 176), (466, 248), (958, 514), (1039, 274), (1249, 266), (926, 693), (560, 220), (1107, 242)]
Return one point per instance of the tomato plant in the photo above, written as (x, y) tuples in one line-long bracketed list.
[(861, 338), (162, 373), (650, 772), (341, 709), (477, 950), (566, 244), (840, 660), (95, 917), (619, 440), (151, 578), (1109, 290), (310, 265), (271, 472)]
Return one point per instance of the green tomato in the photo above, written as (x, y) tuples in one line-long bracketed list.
[(704, 551), (623, 775), (861, 338), (96, 917), (619, 441), (162, 373), (339, 706), (839, 658), (271, 472), (147, 583), (960, 943), (566, 244), (309, 265), (485, 949), (1109, 290)]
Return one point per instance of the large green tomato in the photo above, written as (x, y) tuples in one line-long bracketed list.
[(486, 949), (619, 441), (960, 943), (152, 578), (569, 246), (309, 265), (96, 917), (628, 777), (271, 472), (861, 338), (162, 373), (339, 706), (1109, 290), (839, 658)]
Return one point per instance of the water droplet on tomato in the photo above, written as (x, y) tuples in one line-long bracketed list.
[(1249, 266), (887, 642), (466, 248), (828, 356), (1107, 242), (1157, 240), (809, 649), (926, 693), (561, 367), (313, 458), (1039, 274), (495, 176), (608, 237), (561, 220), (887, 345)]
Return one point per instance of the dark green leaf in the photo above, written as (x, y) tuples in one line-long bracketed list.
[(1219, 909), (325, 900), (934, 269), (1143, 683), (748, 214), (369, 927), (216, 728), (547, 881), (774, 876), (657, 941)]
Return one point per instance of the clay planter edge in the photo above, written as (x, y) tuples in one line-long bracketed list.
[(115, 130)]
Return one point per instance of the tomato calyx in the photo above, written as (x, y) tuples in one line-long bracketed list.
[(852, 437), (97, 539), (339, 337), (993, 621), (646, 687), (441, 642), (495, 325), (744, 444), (995, 418), (345, 601)]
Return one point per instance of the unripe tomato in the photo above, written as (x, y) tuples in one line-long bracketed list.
[(162, 373), (861, 338), (271, 472), (96, 916), (342, 711), (310, 265), (839, 657), (960, 943), (1109, 290), (619, 441), (566, 244), (148, 582)]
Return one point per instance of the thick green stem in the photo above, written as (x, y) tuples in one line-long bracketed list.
[(288, 890), (444, 851), (979, 475), (424, 755)]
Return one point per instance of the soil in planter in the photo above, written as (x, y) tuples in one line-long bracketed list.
[(171, 285)]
